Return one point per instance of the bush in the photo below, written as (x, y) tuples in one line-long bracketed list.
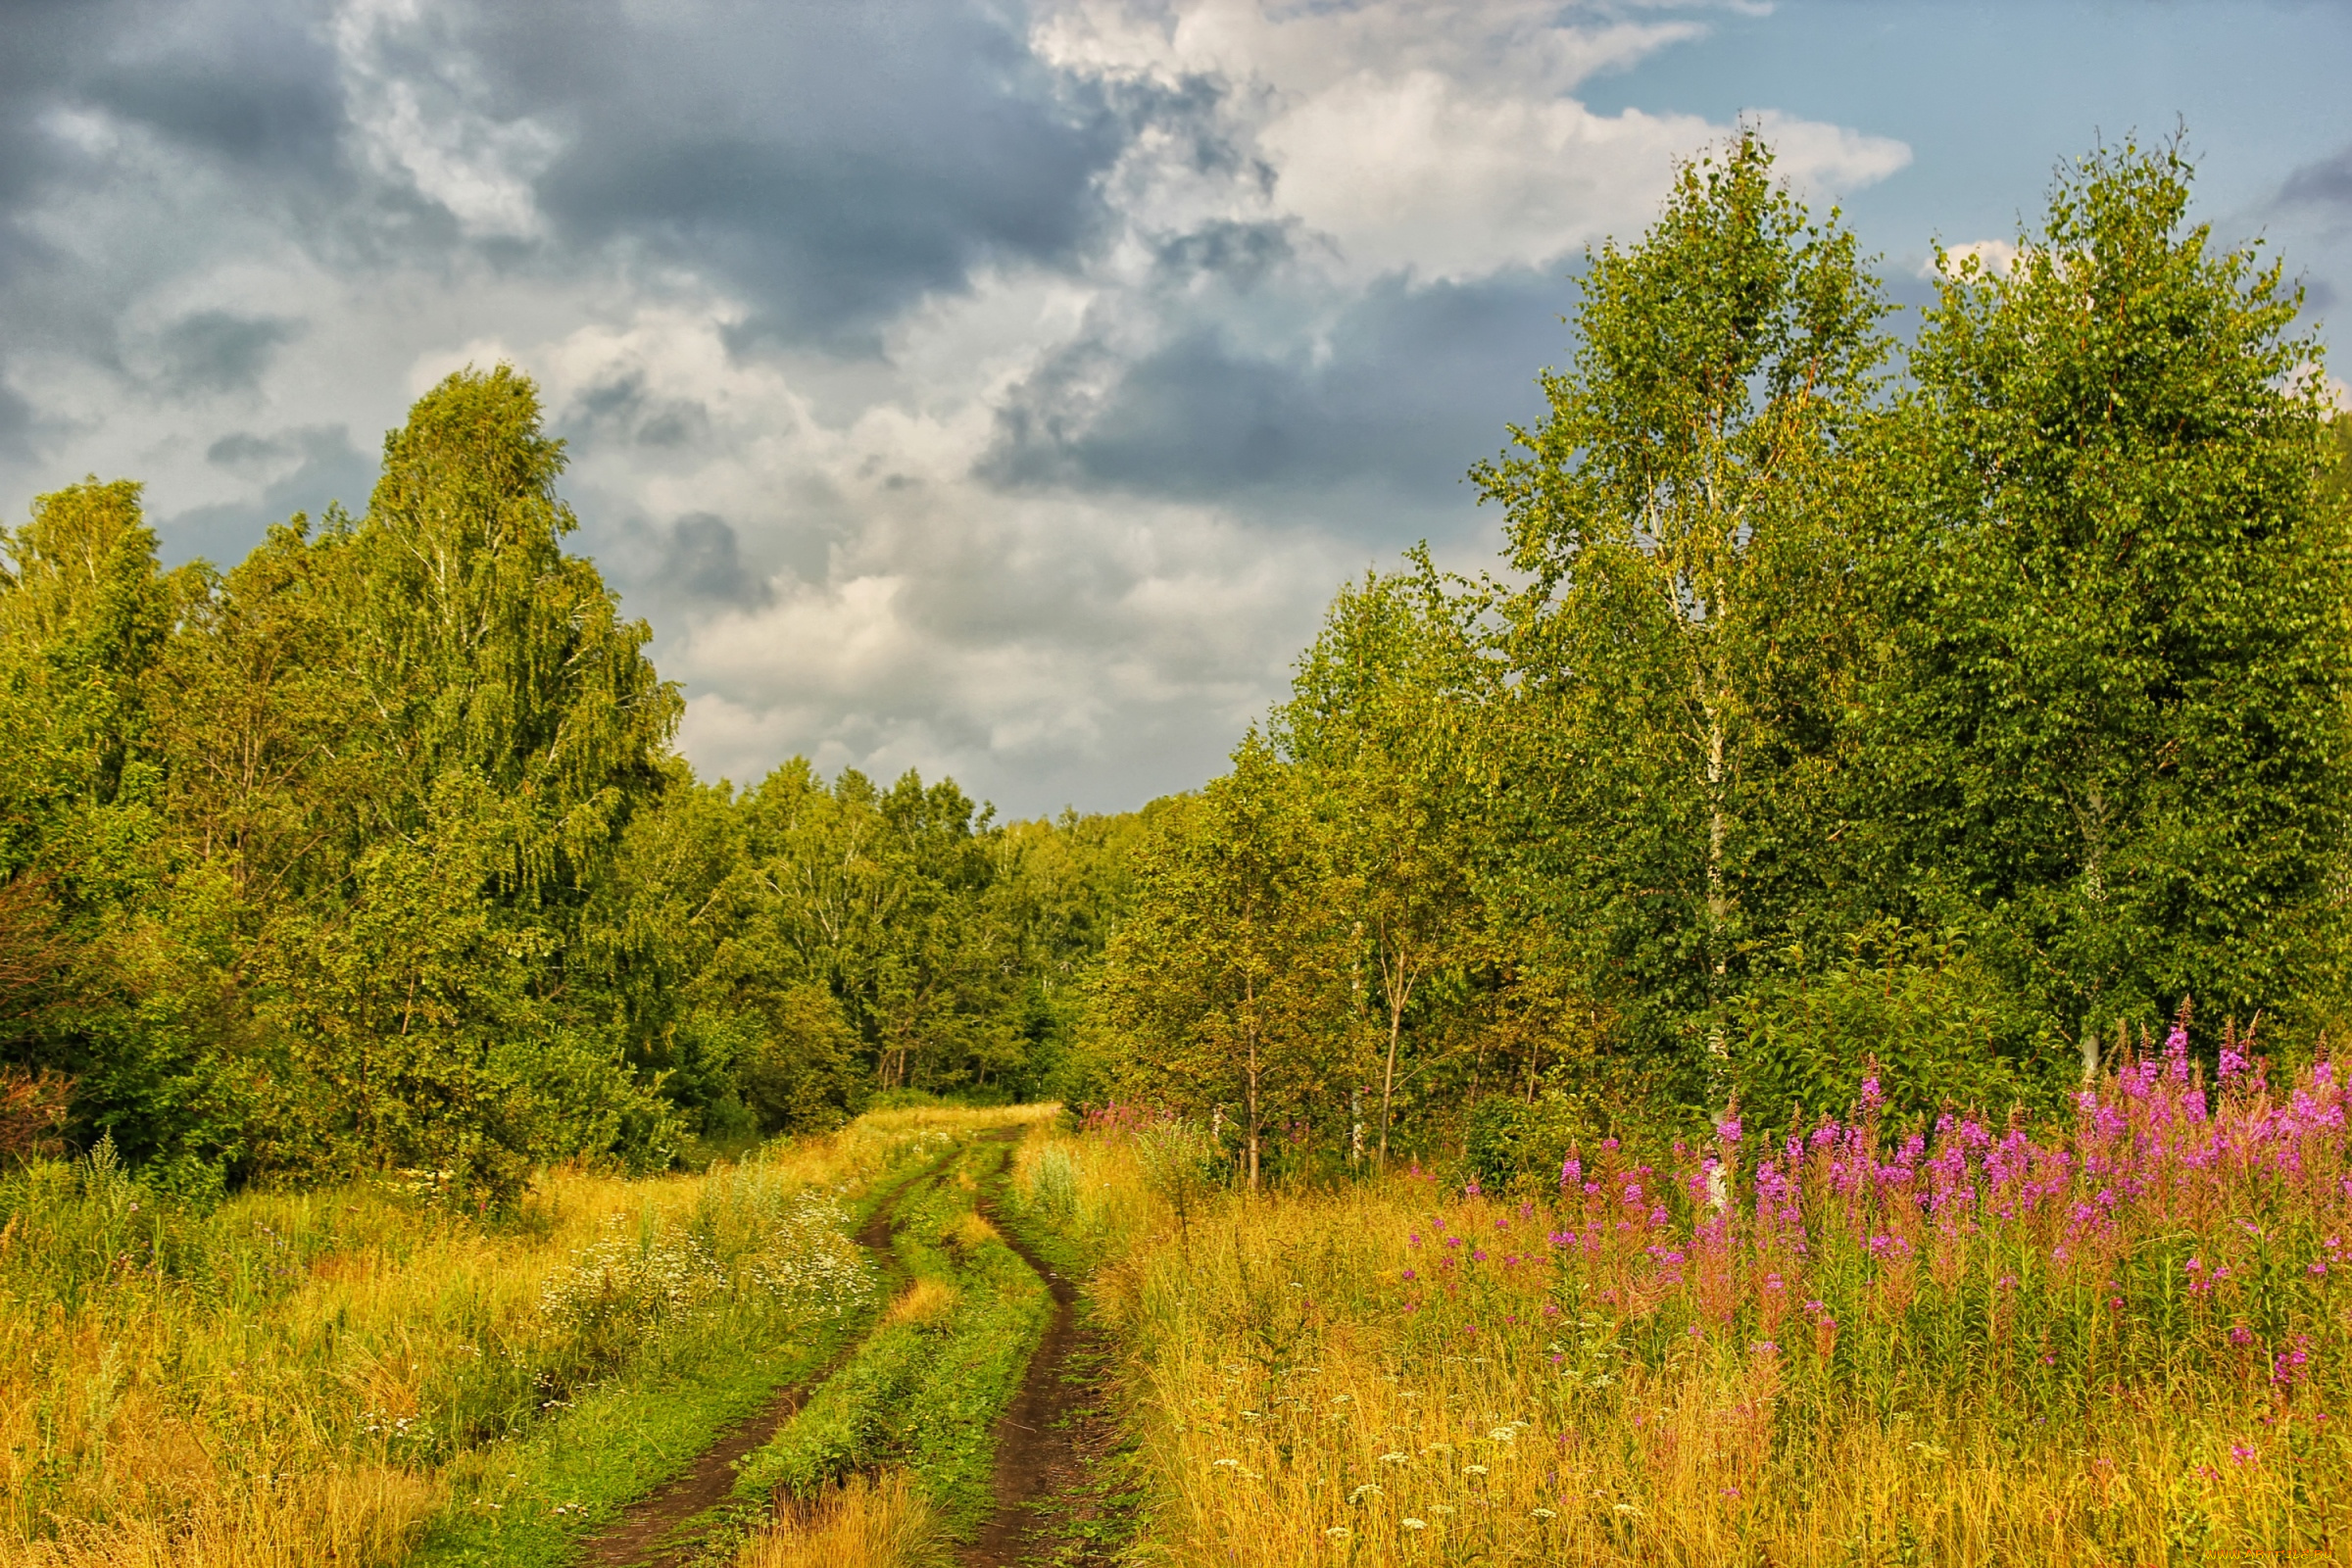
[(1509, 1141), (1936, 1024)]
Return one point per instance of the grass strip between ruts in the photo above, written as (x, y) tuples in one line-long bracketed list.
[(923, 1392)]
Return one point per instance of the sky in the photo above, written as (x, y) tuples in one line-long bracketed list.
[(993, 390)]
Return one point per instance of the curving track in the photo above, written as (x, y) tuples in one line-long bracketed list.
[(1046, 1439)]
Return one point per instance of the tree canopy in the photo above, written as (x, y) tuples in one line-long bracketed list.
[(1942, 698)]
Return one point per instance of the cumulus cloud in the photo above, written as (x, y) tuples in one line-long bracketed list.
[(952, 386), (1995, 256), (420, 112)]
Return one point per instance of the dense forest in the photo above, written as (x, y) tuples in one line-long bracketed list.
[(1944, 699), (372, 853), (1941, 698)]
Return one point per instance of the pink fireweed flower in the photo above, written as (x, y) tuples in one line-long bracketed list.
[(1872, 1098), (1572, 1171)]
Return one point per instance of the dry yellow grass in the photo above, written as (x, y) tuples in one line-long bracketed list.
[(1287, 1417), (279, 1382), (973, 1232), (274, 1428), (926, 1301), (882, 1523)]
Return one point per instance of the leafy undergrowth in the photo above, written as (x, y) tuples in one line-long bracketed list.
[(2127, 1339), (294, 1379)]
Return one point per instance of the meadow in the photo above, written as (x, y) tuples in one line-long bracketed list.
[(2121, 1338), (2125, 1340), (344, 1374)]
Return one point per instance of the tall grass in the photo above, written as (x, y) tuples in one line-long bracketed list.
[(288, 1377), (2128, 1340), (882, 1522)]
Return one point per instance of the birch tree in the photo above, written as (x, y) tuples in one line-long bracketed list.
[(2115, 739), (1668, 510), (1224, 985)]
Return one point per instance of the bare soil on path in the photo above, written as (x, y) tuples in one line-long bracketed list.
[(1053, 1505), (641, 1539)]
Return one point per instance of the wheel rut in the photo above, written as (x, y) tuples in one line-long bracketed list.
[(641, 1538), (1050, 1436)]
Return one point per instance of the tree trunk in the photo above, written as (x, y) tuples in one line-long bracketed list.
[(1388, 1079), (1249, 1033), (1719, 1046)]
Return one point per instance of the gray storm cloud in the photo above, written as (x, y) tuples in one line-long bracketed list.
[(989, 391)]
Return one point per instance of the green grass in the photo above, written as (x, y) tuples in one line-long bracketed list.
[(927, 1395), (531, 1501)]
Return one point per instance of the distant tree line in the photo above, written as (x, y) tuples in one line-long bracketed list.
[(1953, 708), (372, 853)]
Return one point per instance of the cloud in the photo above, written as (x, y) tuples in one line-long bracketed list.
[(1994, 255), (253, 88), (422, 112), (2324, 183), (989, 389), (1438, 140), (15, 423), (219, 350), (829, 162), (299, 469), (706, 560), (1368, 424)]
